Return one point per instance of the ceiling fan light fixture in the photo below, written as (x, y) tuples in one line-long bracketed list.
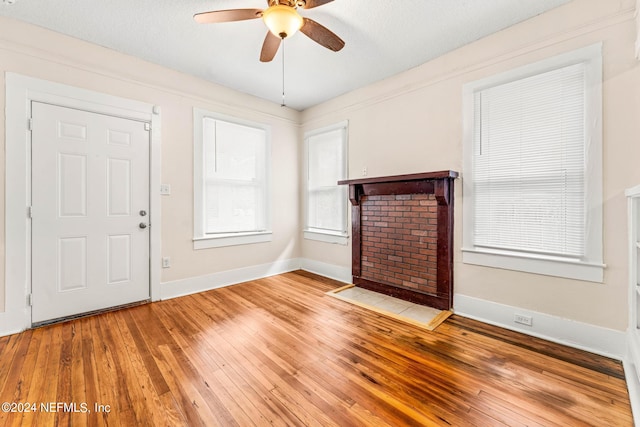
[(283, 21)]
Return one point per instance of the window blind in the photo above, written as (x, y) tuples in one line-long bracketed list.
[(529, 164), (326, 200), (234, 178)]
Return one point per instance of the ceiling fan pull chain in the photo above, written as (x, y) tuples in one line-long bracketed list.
[(283, 43)]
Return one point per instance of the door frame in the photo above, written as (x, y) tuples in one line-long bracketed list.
[(20, 92)]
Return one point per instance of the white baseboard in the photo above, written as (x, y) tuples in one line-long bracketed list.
[(592, 338), (633, 386), (632, 372), (12, 322), (192, 285), (342, 274)]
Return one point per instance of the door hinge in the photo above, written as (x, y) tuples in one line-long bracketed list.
[(147, 126), (30, 212), (30, 124), (30, 300)]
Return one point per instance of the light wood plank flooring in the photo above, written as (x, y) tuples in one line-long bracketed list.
[(277, 351)]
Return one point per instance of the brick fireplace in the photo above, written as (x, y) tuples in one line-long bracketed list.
[(402, 230), (399, 240)]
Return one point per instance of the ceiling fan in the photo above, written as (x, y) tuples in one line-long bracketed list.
[(283, 20)]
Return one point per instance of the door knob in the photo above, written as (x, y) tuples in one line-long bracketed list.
[(142, 225), (143, 213)]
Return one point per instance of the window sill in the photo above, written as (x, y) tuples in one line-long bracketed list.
[(327, 237), (231, 239), (548, 266)]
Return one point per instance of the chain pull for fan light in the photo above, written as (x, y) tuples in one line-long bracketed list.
[(283, 43)]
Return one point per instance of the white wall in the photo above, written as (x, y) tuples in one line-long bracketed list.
[(413, 123), (39, 53)]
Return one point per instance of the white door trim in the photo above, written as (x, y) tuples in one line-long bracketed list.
[(20, 91)]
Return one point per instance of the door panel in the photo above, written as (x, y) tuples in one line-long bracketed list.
[(119, 187), (119, 263), (72, 185), (72, 263), (90, 181)]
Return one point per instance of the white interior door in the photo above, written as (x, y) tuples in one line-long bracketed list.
[(90, 204)]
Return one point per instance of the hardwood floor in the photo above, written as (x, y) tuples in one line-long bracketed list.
[(277, 351)]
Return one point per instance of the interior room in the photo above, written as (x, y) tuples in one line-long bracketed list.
[(185, 199)]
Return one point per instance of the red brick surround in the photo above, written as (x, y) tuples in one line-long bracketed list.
[(399, 240)]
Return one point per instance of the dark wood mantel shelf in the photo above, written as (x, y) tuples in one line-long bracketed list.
[(395, 178), (378, 191)]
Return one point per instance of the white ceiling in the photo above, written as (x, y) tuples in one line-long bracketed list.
[(383, 38)]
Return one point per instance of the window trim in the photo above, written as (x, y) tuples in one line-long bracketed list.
[(201, 240), (311, 233), (591, 268)]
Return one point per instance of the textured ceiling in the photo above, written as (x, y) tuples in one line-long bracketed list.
[(383, 38)]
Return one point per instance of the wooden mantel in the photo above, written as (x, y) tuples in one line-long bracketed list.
[(401, 273)]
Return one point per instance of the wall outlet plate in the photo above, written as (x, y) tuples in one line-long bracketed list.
[(522, 319)]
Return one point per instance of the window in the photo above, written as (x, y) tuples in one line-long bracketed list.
[(326, 201), (231, 181), (533, 168)]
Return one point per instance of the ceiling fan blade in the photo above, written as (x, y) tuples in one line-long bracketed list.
[(321, 35), (269, 47), (229, 15), (310, 4)]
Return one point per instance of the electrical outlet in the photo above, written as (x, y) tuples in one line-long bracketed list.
[(522, 319), (166, 262), (364, 171)]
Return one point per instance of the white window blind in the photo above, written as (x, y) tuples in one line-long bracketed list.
[(326, 165), (234, 189), (529, 164)]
